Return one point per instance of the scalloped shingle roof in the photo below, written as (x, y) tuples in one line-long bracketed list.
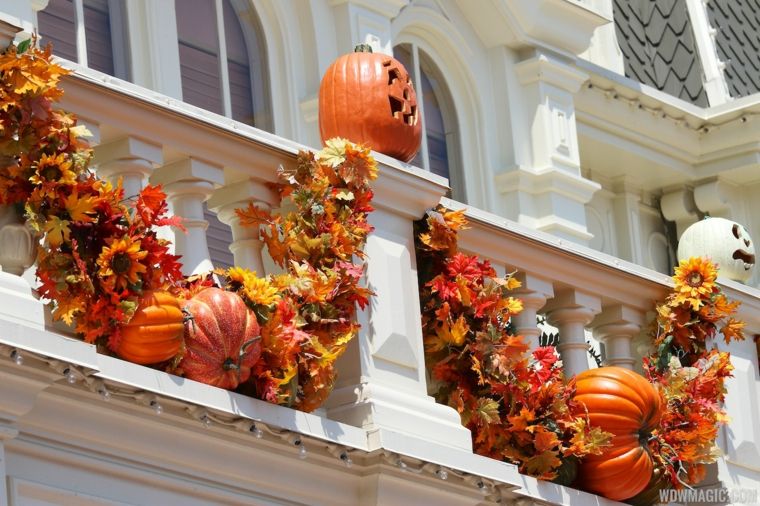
[(658, 47)]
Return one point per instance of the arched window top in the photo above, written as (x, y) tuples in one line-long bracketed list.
[(103, 45), (222, 59), (440, 143)]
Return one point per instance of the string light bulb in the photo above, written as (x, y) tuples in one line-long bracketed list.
[(17, 357)]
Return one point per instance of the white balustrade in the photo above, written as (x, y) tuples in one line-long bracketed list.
[(188, 183), (246, 247), (130, 160), (616, 327), (533, 293), (570, 311)]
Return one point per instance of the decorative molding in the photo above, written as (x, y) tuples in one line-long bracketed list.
[(546, 69), (563, 26)]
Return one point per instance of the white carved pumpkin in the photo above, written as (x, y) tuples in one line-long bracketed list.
[(726, 242)]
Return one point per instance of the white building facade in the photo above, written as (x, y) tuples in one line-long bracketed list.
[(577, 176)]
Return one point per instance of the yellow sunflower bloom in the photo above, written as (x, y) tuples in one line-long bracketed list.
[(260, 291), (120, 263), (53, 169), (238, 277), (694, 279)]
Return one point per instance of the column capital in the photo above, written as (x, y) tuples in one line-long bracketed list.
[(239, 193), (574, 302), (128, 148), (619, 314), (616, 327), (188, 169)]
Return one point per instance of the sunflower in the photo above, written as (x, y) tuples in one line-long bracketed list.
[(260, 291), (238, 277), (51, 169), (695, 280), (120, 263)]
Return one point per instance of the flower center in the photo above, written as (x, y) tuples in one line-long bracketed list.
[(695, 279), (121, 263), (51, 173)]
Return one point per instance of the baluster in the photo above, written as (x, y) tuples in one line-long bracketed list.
[(188, 183), (130, 159), (616, 327), (246, 247), (570, 311), (534, 292)]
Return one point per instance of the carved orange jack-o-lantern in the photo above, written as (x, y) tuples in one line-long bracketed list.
[(726, 242), (368, 98)]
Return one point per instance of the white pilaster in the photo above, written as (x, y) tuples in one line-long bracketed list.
[(381, 383), (130, 159), (626, 204), (188, 183), (616, 327), (367, 22), (533, 293), (246, 247), (570, 311), (545, 188)]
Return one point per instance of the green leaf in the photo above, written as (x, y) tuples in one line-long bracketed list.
[(23, 46)]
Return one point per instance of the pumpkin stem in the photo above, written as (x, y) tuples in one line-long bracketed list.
[(363, 48), (230, 365)]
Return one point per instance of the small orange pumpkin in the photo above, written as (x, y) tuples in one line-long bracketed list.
[(368, 98), (154, 334), (626, 405)]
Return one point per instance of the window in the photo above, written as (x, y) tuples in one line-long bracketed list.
[(221, 63), (89, 32), (439, 152)]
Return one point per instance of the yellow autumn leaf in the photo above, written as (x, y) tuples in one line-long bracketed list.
[(80, 207), (453, 334), (57, 231), (66, 309)]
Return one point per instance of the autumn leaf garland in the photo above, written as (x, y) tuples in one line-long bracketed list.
[(515, 403), (308, 312), (689, 373), (99, 249)]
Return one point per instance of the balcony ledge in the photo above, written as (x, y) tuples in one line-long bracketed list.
[(133, 388)]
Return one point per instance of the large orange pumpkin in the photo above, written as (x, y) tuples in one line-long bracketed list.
[(222, 339), (628, 406), (154, 334), (368, 98)]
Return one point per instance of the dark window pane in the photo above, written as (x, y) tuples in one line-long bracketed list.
[(233, 33), (434, 126), (200, 78), (97, 25), (238, 67), (56, 25), (240, 93)]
